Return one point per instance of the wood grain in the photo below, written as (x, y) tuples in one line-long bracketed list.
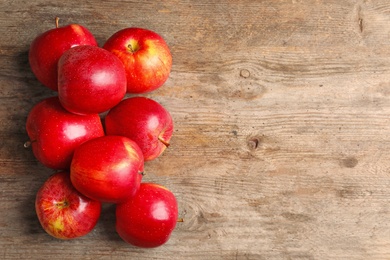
[(281, 110)]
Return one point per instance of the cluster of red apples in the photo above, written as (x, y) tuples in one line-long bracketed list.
[(96, 138)]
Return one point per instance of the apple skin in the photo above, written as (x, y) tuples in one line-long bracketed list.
[(146, 56), (143, 120), (90, 80), (108, 168), (47, 48), (64, 212), (147, 219), (55, 133)]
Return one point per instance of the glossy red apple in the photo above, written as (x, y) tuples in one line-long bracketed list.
[(90, 80), (64, 212), (55, 133), (144, 121), (148, 218), (146, 57), (108, 169), (47, 48)]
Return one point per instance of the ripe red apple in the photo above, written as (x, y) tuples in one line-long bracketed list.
[(146, 57), (90, 80), (47, 48), (148, 218), (63, 211), (55, 133), (144, 121), (108, 168)]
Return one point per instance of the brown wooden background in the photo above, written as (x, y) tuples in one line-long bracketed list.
[(282, 128)]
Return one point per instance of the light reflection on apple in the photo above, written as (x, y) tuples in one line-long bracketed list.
[(159, 211), (75, 131)]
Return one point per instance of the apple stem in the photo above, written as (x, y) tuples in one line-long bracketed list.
[(130, 47), (28, 143), (180, 220), (133, 46), (142, 173), (163, 141), (57, 19), (62, 205)]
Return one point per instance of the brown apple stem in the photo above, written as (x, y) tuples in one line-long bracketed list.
[(180, 220), (142, 173), (130, 48), (62, 204), (163, 141), (133, 46), (28, 143), (57, 19)]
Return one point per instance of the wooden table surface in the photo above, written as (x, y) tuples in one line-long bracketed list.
[(282, 128)]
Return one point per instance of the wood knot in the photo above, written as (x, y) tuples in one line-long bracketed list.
[(253, 143), (245, 73), (349, 162)]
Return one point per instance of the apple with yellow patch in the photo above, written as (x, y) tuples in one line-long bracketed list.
[(145, 55), (63, 212), (47, 48), (108, 168), (144, 121)]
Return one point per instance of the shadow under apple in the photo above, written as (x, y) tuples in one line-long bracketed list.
[(106, 224)]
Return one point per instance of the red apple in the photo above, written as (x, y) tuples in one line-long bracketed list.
[(147, 219), (144, 121), (47, 48), (90, 80), (55, 133), (62, 211), (108, 169), (146, 57)]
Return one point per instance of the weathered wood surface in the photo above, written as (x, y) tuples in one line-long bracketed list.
[(282, 118)]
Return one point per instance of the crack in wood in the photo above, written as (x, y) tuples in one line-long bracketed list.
[(360, 19)]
